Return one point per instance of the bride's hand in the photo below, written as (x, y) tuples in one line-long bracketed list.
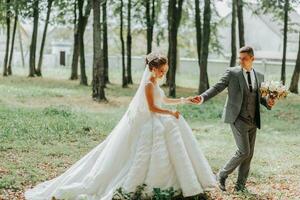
[(191, 100), (176, 114)]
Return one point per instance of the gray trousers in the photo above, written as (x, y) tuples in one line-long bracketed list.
[(244, 134)]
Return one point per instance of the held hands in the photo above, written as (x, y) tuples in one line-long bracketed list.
[(193, 100), (188, 100), (271, 102)]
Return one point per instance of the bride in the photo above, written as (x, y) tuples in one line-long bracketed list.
[(150, 145)]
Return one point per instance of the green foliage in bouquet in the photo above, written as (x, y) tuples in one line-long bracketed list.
[(138, 194), (157, 194)]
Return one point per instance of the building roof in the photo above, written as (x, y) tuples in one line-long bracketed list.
[(273, 23)]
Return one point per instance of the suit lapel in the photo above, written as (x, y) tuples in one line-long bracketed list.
[(257, 80), (242, 80), (257, 86)]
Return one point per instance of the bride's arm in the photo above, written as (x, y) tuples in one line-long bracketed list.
[(150, 100), (170, 101)]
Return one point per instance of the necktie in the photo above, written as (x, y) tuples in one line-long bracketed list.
[(249, 81)]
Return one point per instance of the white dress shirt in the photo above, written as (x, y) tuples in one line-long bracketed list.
[(252, 76)]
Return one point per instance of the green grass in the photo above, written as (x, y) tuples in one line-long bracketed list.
[(46, 124)]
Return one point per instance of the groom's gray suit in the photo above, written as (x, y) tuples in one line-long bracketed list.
[(242, 112)]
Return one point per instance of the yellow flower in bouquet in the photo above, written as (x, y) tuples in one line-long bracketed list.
[(273, 89), (264, 89)]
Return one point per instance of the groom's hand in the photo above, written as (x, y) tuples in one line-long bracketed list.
[(271, 102), (195, 100), (189, 100)]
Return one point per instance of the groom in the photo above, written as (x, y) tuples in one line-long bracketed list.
[(241, 111)]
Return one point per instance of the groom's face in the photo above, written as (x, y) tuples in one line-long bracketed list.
[(246, 60)]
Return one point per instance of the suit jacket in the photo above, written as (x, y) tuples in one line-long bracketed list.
[(235, 82)]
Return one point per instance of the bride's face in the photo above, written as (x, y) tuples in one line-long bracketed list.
[(160, 72)]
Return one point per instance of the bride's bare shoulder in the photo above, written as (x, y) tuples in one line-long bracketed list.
[(149, 85), (149, 82)]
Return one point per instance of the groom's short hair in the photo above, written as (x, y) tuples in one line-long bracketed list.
[(247, 49)]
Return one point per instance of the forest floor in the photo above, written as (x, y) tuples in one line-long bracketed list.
[(47, 124)]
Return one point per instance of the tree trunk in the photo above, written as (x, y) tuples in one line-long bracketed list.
[(8, 12), (21, 45), (233, 35), (129, 43), (39, 68), (83, 78), (98, 67), (285, 30), (204, 83), (75, 55), (174, 22), (172, 64), (12, 43), (124, 79), (170, 12), (33, 39), (150, 19), (76, 46), (198, 29), (241, 22), (295, 77), (105, 42)]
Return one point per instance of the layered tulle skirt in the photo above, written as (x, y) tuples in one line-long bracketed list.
[(160, 152)]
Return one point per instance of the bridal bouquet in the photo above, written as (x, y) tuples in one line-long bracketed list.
[(273, 89)]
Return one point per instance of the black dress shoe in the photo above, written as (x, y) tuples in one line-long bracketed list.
[(221, 182), (240, 188)]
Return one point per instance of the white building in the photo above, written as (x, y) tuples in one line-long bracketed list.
[(264, 33), (57, 50)]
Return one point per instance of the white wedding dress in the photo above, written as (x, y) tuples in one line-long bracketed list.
[(158, 150)]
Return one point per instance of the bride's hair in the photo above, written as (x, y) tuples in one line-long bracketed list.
[(155, 60)]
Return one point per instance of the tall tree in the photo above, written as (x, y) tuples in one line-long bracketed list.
[(21, 45), (174, 17), (198, 29), (9, 70), (129, 43), (105, 42), (76, 46), (285, 30), (39, 68), (295, 78), (98, 67), (124, 78), (150, 20), (75, 55), (35, 7), (81, 28), (169, 38), (8, 14), (240, 16), (204, 83), (233, 34)]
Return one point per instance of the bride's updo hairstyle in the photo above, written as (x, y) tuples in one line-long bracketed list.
[(155, 60)]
